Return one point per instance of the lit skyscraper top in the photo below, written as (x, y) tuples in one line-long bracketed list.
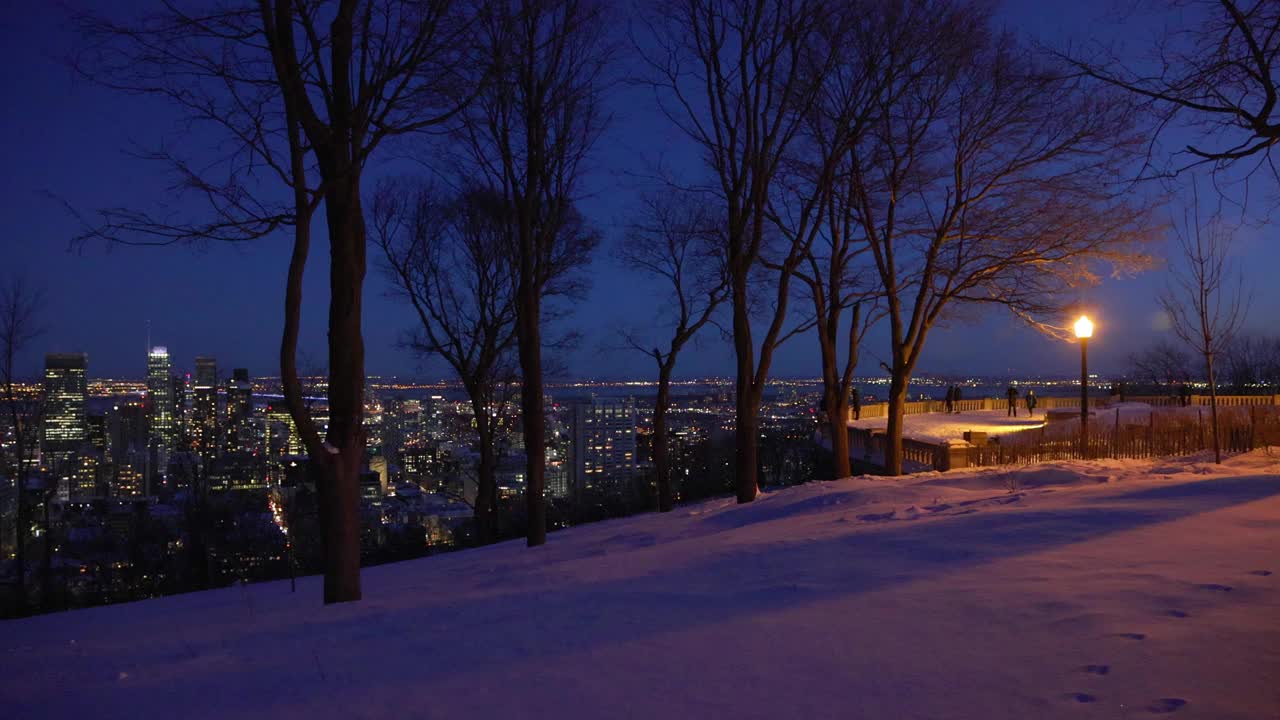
[(160, 395)]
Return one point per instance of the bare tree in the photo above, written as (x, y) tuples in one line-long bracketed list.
[(301, 94), (20, 305), (676, 241), (1163, 364), (1218, 73), (1253, 362), (527, 138), (447, 256), (986, 179), (817, 195), (1205, 300), (739, 77)]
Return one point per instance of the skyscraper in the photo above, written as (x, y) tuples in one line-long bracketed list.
[(239, 395), (604, 444), (127, 425), (239, 433), (160, 399), (65, 425), (204, 425)]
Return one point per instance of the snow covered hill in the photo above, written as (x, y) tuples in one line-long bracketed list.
[(1100, 590)]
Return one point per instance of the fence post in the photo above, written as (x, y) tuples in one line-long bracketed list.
[(1115, 435), (1151, 433)]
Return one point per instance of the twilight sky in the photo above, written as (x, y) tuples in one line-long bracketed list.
[(64, 137)]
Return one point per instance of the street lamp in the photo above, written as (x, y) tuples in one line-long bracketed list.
[(1084, 331)]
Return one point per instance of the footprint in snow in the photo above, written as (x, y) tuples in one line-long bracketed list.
[(1260, 573), (1131, 636), (1164, 706), (1178, 613), (1096, 669), (1215, 586)]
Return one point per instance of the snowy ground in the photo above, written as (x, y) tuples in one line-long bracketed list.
[(1092, 590), (940, 427)]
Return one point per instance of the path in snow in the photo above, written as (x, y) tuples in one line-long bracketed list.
[(1105, 589)]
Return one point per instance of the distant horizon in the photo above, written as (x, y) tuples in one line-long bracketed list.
[(973, 378)]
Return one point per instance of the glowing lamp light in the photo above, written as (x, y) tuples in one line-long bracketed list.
[(1084, 330)]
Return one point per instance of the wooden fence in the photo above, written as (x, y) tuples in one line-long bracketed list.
[(1241, 428)]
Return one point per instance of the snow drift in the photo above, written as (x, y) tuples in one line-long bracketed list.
[(1100, 589)]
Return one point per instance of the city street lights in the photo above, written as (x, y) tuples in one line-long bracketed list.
[(1084, 331)]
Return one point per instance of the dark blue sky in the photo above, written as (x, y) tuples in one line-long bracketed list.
[(63, 136)]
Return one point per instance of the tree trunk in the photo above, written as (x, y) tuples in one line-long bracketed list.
[(893, 435), (1213, 407), (20, 551), (746, 433), (486, 514), (838, 426), (529, 339), (661, 457), (339, 493), (746, 445), (339, 503), (835, 403)]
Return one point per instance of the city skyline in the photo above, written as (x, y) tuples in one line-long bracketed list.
[(670, 358)]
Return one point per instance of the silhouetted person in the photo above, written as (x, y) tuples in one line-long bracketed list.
[(951, 398), (1012, 395), (855, 402), (957, 398), (1031, 403), (1186, 395)]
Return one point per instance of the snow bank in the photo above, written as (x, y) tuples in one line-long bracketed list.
[(1101, 589)]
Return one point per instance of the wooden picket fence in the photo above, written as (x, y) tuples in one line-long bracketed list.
[(1241, 428)]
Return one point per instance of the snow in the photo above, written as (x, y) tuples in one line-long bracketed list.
[(940, 427), (1078, 589)]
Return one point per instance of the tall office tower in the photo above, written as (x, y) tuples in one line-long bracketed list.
[(130, 455), (204, 420), (375, 424), (99, 432), (239, 429), (130, 476), (162, 437), (239, 395), (182, 404), (603, 451), (65, 425), (431, 417), (90, 478), (97, 462)]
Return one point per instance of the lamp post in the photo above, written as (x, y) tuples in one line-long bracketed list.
[(1084, 331)]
